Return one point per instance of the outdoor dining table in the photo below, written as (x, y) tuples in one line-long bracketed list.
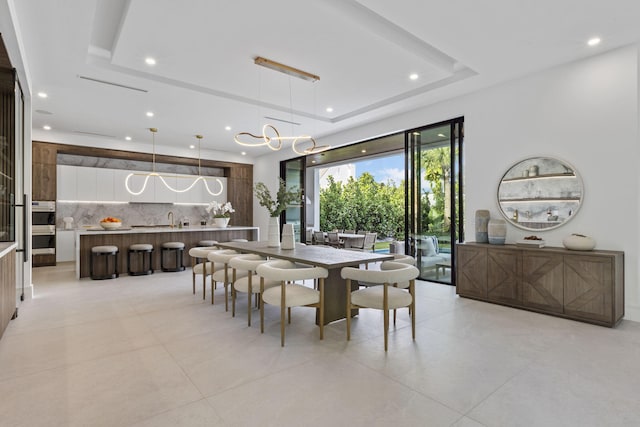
[(335, 294), (350, 240)]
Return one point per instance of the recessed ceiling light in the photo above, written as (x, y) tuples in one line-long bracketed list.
[(128, 138), (594, 41), (416, 134), (149, 113), (313, 161), (46, 127), (413, 76), (42, 94), (192, 146), (150, 61), (363, 151), (441, 135), (227, 128), (244, 153), (329, 110)]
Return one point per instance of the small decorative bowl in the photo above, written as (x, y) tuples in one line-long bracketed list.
[(111, 225)]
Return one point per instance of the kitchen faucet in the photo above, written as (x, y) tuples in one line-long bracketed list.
[(170, 216)]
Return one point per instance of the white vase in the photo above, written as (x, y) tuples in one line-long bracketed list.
[(274, 232), (220, 222), (579, 242), (497, 231), (288, 239)]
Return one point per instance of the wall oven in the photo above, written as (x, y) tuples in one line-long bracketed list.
[(43, 228)]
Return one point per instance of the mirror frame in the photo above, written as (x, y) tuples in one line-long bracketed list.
[(535, 196)]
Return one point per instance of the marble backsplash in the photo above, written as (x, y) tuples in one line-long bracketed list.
[(84, 214)]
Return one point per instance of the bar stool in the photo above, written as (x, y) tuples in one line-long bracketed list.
[(206, 243), (142, 252), (178, 249), (107, 252)]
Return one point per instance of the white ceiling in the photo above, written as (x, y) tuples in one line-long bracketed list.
[(363, 51)]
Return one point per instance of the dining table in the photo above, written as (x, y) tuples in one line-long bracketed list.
[(333, 259)]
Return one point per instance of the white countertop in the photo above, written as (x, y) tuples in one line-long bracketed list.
[(6, 247), (140, 230)]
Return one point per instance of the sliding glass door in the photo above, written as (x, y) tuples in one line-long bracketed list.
[(434, 198), (293, 172)]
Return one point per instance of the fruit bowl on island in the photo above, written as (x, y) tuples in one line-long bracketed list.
[(110, 223)]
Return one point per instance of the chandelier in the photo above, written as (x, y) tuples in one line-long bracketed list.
[(161, 177), (270, 135)]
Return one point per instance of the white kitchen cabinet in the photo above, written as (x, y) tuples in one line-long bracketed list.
[(66, 183), (87, 181), (65, 245), (120, 193), (105, 185), (137, 183)]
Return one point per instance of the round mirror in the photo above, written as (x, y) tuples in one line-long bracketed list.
[(540, 193)]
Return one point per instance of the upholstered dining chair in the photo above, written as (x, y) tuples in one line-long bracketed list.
[(385, 297), (250, 283), (223, 275), (201, 266), (289, 294)]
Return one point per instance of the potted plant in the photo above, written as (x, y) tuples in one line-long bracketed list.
[(221, 212), (284, 197)]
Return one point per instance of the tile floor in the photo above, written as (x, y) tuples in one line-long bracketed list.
[(144, 351)]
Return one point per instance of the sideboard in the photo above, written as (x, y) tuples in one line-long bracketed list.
[(584, 286)]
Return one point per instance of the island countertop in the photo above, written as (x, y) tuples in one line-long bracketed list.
[(161, 229), (123, 237)]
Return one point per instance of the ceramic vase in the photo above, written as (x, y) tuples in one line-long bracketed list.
[(274, 232), (221, 222), (288, 238), (579, 242), (482, 224), (497, 231)]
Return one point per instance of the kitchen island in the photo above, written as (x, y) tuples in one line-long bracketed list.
[(85, 239)]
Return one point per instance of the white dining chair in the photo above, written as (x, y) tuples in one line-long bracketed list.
[(250, 283), (223, 274), (385, 297), (201, 266), (289, 294)]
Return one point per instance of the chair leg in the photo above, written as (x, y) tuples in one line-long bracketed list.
[(348, 312), (283, 299), (412, 308), (321, 308), (289, 315), (385, 307), (193, 277), (261, 306)]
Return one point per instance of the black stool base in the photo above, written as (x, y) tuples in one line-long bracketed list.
[(144, 253), (179, 264), (95, 257)]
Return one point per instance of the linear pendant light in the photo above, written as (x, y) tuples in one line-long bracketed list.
[(154, 174)]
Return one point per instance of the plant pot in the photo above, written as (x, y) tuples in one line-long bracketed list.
[(221, 222), (274, 232)]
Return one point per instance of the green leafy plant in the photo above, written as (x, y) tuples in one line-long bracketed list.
[(284, 197)]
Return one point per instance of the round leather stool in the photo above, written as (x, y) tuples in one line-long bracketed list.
[(178, 249), (144, 253), (97, 253), (205, 243)]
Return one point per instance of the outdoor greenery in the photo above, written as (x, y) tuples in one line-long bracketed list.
[(365, 204)]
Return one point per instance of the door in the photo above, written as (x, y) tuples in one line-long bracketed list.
[(293, 172), (433, 200)]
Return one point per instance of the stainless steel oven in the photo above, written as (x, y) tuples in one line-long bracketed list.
[(43, 227)]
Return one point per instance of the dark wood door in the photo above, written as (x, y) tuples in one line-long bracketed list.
[(471, 280), (588, 290), (542, 281), (503, 273)]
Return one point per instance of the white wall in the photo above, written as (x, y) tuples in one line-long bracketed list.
[(584, 112)]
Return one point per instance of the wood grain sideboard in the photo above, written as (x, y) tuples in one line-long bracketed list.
[(584, 286)]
